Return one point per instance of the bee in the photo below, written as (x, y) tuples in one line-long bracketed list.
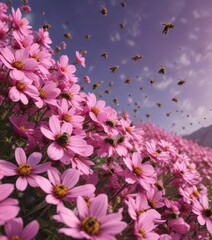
[(152, 81), (181, 82), (128, 80), (159, 104), (42, 13), (168, 114), (105, 55), (96, 85), (110, 84), (58, 49), (162, 70), (167, 27), (108, 91), (114, 69), (68, 35), (88, 36), (122, 26), (115, 100), (123, 4), (175, 99), (46, 26), (83, 52), (136, 57), (147, 115), (141, 88), (104, 11)]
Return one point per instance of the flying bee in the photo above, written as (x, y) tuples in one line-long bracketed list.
[(96, 85), (114, 69), (58, 49), (83, 52), (159, 104), (128, 80), (123, 4), (108, 91), (110, 84), (122, 26), (141, 88), (136, 57), (167, 27), (168, 114), (46, 26), (115, 100), (88, 36), (104, 11), (104, 55), (162, 70), (68, 35), (181, 82), (152, 81), (175, 99), (147, 115)]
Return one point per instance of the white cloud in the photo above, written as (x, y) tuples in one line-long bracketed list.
[(200, 13), (186, 104), (184, 60), (191, 36), (130, 43), (164, 84), (129, 99), (115, 37)]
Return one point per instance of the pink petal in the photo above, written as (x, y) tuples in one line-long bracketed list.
[(82, 207), (67, 128), (54, 176), (69, 218), (54, 151), (5, 190), (30, 231), (51, 199), (47, 133), (98, 207), (8, 55), (70, 178), (84, 190), (20, 156), (14, 94), (34, 158), (14, 227), (41, 168), (44, 184), (71, 232), (54, 124), (21, 183), (8, 212)]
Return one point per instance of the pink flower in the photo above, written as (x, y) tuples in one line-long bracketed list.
[(65, 68), (64, 145), (8, 207), (144, 174), (19, 62), (179, 225), (27, 169), (80, 59), (43, 38), (19, 23), (14, 229), (93, 221), (201, 208), (87, 79), (22, 89), (60, 187), (26, 8), (144, 226), (63, 45)]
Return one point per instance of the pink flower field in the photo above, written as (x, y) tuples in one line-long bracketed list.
[(72, 167)]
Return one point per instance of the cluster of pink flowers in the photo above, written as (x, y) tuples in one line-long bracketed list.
[(71, 165)]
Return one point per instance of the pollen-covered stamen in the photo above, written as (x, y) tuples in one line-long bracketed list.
[(208, 212), (95, 110), (62, 139), (128, 129), (91, 226), (20, 86), (24, 169), (36, 57), (110, 123), (15, 238), (67, 96), (66, 117), (63, 69), (18, 65), (138, 171), (142, 232), (60, 190), (152, 203), (42, 93), (195, 193)]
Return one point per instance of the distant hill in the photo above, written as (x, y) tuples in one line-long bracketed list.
[(202, 136)]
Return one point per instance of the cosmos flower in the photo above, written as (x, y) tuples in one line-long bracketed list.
[(92, 221), (80, 59), (27, 168)]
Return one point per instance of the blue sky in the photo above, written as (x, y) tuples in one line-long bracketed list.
[(185, 51)]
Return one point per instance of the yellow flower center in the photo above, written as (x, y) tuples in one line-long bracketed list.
[(142, 232), (67, 96), (138, 171), (91, 226), (60, 190), (63, 69), (18, 64), (42, 93), (15, 238), (62, 139), (20, 86), (151, 203), (129, 130), (66, 117), (24, 169), (36, 57), (195, 193), (95, 111)]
